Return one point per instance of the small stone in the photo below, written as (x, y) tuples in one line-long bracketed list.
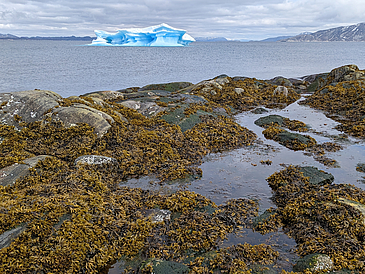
[(158, 215), (95, 160), (239, 90)]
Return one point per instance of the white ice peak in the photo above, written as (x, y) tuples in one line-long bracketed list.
[(160, 35)]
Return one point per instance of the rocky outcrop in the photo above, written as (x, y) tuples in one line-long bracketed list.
[(10, 174), (36, 105)]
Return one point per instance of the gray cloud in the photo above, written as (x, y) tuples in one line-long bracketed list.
[(235, 19)]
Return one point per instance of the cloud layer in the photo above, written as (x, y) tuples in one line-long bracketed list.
[(234, 19)]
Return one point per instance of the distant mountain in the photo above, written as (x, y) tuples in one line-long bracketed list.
[(8, 36), (67, 38), (274, 39), (210, 39), (348, 33)]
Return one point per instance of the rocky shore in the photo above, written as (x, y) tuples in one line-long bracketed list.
[(63, 209)]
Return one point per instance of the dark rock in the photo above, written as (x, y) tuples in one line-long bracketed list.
[(314, 263), (293, 141), (8, 175), (262, 218), (316, 177), (259, 110), (95, 160), (280, 81), (269, 120), (262, 269), (360, 167), (171, 87)]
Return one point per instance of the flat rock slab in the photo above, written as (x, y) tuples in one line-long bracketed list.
[(8, 175), (316, 177)]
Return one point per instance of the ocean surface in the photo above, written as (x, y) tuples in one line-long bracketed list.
[(71, 68)]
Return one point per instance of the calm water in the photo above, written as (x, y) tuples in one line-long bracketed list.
[(69, 68)]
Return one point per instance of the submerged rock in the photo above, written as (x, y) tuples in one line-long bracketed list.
[(164, 267)]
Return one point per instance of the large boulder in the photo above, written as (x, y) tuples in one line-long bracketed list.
[(35, 105), (30, 105), (79, 113)]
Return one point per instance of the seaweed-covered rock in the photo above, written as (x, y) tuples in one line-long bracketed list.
[(314, 263), (158, 215), (8, 175), (269, 120), (294, 141), (146, 108), (355, 205), (360, 167), (315, 176)]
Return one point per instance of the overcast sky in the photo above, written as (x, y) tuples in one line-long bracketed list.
[(234, 19)]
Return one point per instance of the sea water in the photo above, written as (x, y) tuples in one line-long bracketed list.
[(71, 68)]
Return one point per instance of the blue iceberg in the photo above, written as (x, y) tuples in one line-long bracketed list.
[(156, 36)]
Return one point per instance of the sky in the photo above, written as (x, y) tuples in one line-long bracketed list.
[(233, 19)]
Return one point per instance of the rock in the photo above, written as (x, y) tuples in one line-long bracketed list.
[(146, 108), (262, 269), (165, 267), (281, 90), (360, 167), (8, 236), (158, 215), (95, 160), (79, 113), (8, 175), (294, 141), (259, 110), (316, 177), (174, 86), (356, 205), (270, 120), (239, 90), (105, 95), (314, 263), (343, 73), (262, 218), (281, 81), (29, 104)]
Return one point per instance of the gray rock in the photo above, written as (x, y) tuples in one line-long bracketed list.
[(316, 177), (269, 120), (146, 108), (95, 160), (239, 90), (29, 104), (290, 140), (355, 205), (8, 175), (314, 263), (281, 90), (8, 236), (259, 110), (80, 113)]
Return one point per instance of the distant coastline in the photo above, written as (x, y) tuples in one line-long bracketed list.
[(58, 38)]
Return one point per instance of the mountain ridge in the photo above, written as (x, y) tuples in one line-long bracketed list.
[(352, 33)]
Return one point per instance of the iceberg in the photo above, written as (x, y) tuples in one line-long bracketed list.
[(161, 35)]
